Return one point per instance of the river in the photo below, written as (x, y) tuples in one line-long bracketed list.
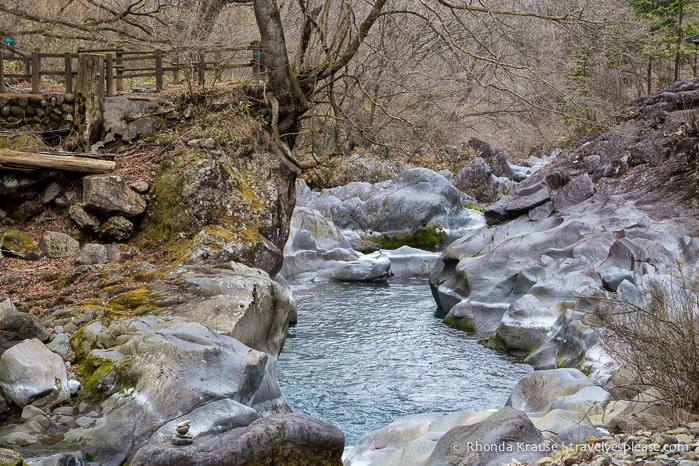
[(364, 354)]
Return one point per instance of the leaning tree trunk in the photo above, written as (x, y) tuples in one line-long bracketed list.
[(291, 101)]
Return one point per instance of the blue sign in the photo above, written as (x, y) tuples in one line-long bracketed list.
[(8, 41)]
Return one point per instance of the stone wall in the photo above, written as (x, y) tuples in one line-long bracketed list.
[(41, 111)]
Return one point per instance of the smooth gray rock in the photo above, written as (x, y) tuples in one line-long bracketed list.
[(576, 191), (110, 195), (478, 317), (536, 392), (399, 207), (311, 231), (612, 277), (524, 324), (407, 261), (56, 245), (541, 212), (284, 439), (210, 419), (61, 459), (369, 267), (174, 366), (31, 373), (409, 439), (588, 400), (501, 434)]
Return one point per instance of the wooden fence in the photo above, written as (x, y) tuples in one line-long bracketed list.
[(192, 64)]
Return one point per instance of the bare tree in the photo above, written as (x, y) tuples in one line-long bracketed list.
[(391, 73)]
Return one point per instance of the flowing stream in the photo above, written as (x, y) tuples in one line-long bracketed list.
[(364, 354)]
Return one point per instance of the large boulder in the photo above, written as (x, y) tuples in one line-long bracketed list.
[(409, 439), (233, 300), (30, 373), (419, 207), (493, 441), (154, 370), (537, 391), (245, 203), (284, 439)]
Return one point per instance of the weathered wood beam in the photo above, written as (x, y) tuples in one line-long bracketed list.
[(16, 159)]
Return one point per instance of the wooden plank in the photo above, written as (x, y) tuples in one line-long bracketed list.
[(11, 158)]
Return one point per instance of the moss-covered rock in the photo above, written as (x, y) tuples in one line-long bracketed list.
[(19, 245), (239, 208), (10, 457), (425, 237)]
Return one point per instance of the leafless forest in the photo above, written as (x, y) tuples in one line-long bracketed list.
[(409, 77)]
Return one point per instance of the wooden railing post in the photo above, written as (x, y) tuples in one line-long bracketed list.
[(201, 69), (36, 69), (257, 65), (110, 75), (176, 71), (119, 64), (2, 72), (90, 94), (68, 59), (159, 70)]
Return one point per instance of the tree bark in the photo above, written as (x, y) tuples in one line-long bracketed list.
[(32, 160), (91, 93), (282, 81)]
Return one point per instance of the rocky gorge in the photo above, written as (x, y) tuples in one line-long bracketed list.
[(131, 346)]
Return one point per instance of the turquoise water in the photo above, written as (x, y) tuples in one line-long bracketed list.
[(364, 354)]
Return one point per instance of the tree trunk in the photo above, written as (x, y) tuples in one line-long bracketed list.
[(31, 160), (282, 81), (91, 93)]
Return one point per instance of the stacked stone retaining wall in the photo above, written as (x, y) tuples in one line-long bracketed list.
[(40, 111)]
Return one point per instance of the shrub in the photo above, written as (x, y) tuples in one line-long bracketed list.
[(656, 339)]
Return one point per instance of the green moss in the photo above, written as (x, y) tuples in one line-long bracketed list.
[(459, 323), (135, 301), (102, 377), (426, 237), (493, 342), (472, 206)]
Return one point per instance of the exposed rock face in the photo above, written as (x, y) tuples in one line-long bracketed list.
[(604, 218), (460, 438), (247, 202), (317, 250)]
